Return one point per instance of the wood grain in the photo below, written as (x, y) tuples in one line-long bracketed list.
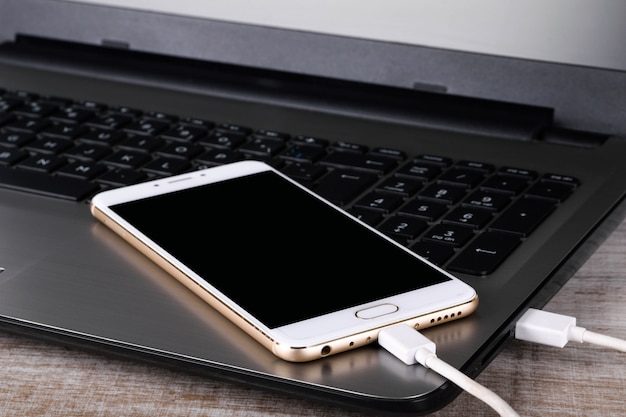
[(40, 379)]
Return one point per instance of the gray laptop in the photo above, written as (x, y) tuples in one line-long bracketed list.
[(485, 137)]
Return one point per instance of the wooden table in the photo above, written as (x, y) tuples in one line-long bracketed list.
[(40, 379)]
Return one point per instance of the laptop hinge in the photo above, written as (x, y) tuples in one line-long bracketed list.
[(575, 138), (427, 109)]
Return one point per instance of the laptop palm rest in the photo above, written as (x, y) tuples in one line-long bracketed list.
[(83, 282)]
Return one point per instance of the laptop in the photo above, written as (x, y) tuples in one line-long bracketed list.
[(486, 137)]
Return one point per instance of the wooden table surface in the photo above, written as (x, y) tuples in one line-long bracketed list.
[(40, 379)]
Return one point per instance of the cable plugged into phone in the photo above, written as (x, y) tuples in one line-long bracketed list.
[(557, 330), (537, 326), (411, 347)]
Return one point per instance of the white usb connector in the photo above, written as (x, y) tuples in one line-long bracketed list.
[(540, 326), (411, 347), (557, 330), (403, 342)]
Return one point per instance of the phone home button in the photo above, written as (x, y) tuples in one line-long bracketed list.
[(376, 311)]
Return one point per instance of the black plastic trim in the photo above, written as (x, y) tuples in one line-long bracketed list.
[(426, 109)]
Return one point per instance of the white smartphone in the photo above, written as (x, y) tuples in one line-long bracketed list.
[(298, 274)]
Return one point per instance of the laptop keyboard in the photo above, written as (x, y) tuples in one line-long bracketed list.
[(467, 216)]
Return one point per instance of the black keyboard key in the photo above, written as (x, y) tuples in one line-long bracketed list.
[(520, 172), (398, 185), (262, 146), (550, 190), (119, 177), (142, 143), (181, 150), (428, 210), (309, 141), (72, 115), (235, 129), (342, 186), (16, 139), (303, 153), (127, 159), (480, 166), (403, 228), (384, 202), (455, 236), (42, 163), (218, 157), (462, 177), (271, 134), (48, 185), (163, 117), (91, 105), (9, 103), (11, 156), (49, 145), (185, 133), (167, 166), (468, 217), (63, 131), (129, 112), (82, 170), (31, 125), (223, 140), (484, 254), (434, 252), (362, 162), (563, 179), (420, 170), (506, 184), (487, 200), (35, 109), (109, 121), (102, 137), (523, 216), (442, 193), (205, 125), (146, 127), (88, 152), (304, 172), (435, 160), (390, 153), (367, 216), (342, 146)]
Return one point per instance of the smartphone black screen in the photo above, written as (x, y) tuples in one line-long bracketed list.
[(274, 249)]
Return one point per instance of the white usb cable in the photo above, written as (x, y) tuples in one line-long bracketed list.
[(410, 346), (557, 330)]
